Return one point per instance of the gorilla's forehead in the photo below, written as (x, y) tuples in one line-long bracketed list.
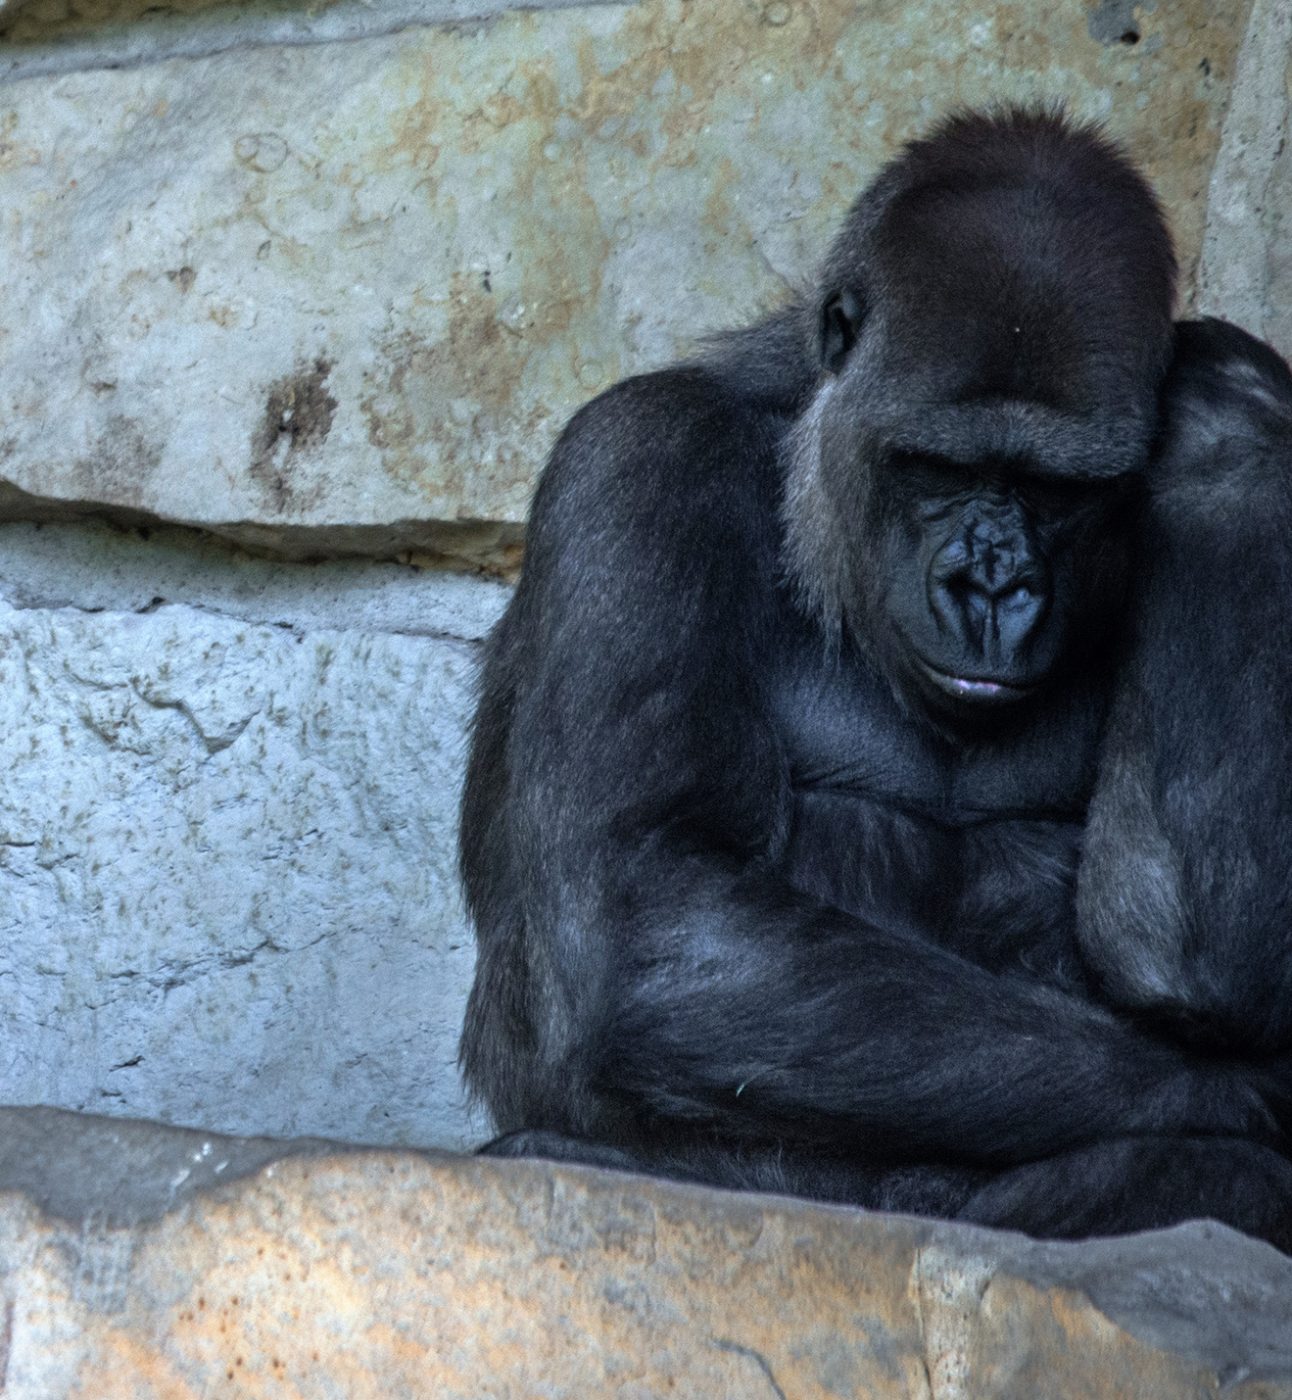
[(889, 410), (989, 294), (1038, 437), (1008, 256)]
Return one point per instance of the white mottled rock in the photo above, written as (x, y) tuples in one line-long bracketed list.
[(228, 892), (109, 33), (341, 296)]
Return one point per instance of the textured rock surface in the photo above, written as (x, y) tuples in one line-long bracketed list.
[(60, 36), (320, 296), (396, 1275), (1246, 272), (227, 882)]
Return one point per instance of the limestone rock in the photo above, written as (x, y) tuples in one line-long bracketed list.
[(58, 35), (228, 887), (379, 1275), (341, 296), (1246, 272)]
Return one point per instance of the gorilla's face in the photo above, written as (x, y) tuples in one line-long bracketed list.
[(975, 580), (988, 580)]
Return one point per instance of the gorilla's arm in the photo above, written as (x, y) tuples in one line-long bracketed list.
[(639, 962), (1185, 894)]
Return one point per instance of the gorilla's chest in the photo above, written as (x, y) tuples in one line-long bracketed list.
[(977, 844)]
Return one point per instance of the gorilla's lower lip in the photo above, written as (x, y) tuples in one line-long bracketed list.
[(979, 690)]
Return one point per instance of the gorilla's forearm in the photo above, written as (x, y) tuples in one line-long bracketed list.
[(744, 1007)]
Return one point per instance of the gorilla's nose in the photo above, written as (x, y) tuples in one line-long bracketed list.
[(989, 592)]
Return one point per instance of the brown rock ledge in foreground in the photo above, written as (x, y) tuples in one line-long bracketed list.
[(147, 1263)]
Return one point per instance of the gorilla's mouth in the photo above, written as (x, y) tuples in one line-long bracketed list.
[(976, 690)]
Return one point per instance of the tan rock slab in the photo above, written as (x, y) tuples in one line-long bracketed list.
[(342, 296), (395, 1275)]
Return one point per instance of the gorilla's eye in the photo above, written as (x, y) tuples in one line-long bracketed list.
[(1066, 495), (1053, 493), (931, 478)]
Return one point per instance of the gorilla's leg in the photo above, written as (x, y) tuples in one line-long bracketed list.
[(1110, 1188), (1132, 1184), (779, 1168)]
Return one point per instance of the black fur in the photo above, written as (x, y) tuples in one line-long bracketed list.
[(785, 747), (1186, 890)]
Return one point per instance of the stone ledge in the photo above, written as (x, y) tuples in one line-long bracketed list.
[(323, 1273), (492, 547)]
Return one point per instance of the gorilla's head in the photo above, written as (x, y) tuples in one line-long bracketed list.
[(992, 329)]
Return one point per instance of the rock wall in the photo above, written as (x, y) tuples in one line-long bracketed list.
[(227, 872), (295, 300)]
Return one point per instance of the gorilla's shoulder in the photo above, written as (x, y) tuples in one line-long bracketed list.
[(670, 405), (709, 424), (659, 456), (1226, 429), (686, 408)]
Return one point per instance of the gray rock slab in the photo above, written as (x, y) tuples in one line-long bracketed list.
[(342, 296), (87, 1169), (228, 889), (130, 1267), (97, 567)]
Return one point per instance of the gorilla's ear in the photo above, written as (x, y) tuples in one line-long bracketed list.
[(841, 315)]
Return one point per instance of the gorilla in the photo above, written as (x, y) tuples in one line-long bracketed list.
[(879, 787)]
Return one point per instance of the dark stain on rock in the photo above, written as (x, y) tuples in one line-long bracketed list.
[(1115, 21), (298, 417), (183, 278)]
